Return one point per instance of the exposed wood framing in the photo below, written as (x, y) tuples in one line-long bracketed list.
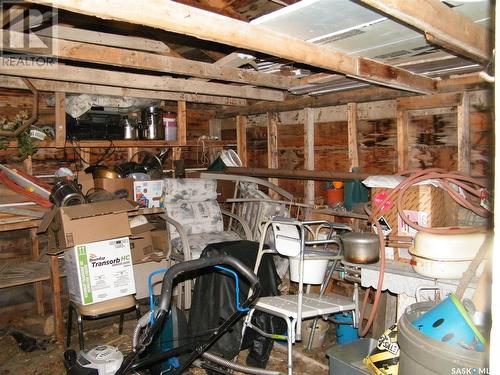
[(138, 81), (442, 26), (352, 135), (60, 117), (92, 53), (430, 101), (463, 134), (468, 82), (309, 197), (272, 149), (104, 39), (84, 88), (11, 15), (56, 299), (181, 122), (402, 139), (241, 139), (170, 16)]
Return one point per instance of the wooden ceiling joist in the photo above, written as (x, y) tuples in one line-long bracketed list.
[(85, 52), (139, 81), (182, 19), (84, 88), (442, 26), (105, 39)]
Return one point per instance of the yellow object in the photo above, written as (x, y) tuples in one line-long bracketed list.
[(384, 358)]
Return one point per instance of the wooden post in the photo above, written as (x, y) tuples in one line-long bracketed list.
[(241, 139), (181, 123), (272, 150), (352, 135), (56, 298), (60, 118), (85, 153), (402, 138), (463, 134), (386, 315), (35, 250), (309, 196)]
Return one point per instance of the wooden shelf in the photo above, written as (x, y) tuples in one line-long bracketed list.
[(24, 273), (122, 143)]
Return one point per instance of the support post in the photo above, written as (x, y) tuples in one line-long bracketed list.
[(241, 139), (60, 118), (402, 138), (272, 149), (463, 134), (352, 135), (309, 156)]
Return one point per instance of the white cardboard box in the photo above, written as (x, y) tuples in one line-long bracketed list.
[(99, 271), (149, 193)]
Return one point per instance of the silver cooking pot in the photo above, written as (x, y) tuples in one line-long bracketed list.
[(361, 248)]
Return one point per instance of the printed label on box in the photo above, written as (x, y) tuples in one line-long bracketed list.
[(384, 225), (418, 217)]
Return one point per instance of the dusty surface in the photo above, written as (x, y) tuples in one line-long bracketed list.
[(48, 359)]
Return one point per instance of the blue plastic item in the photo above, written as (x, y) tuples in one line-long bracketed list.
[(449, 322), (345, 332)]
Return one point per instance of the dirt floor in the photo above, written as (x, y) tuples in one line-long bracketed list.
[(47, 358)]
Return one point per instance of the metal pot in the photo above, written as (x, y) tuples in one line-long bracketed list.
[(362, 248), (152, 123), (129, 129)]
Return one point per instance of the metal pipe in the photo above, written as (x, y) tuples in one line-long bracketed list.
[(296, 174), (236, 367)]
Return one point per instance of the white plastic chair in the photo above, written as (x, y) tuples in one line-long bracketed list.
[(290, 241)]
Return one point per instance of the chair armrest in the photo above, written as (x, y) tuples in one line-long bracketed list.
[(244, 224), (182, 234)]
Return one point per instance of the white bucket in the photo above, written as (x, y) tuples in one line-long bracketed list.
[(314, 270), (230, 158)]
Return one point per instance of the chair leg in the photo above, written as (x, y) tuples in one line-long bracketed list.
[(80, 331), (120, 326), (68, 325), (290, 337)]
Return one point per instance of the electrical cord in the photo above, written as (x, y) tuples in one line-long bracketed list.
[(474, 191)]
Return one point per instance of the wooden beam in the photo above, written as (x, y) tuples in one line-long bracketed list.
[(104, 39), (430, 101), (463, 134), (83, 88), (272, 150), (138, 81), (309, 196), (442, 26), (402, 139), (170, 16), (181, 122), (60, 128), (85, 52), (352, 135), (241, 139), (11, 15)]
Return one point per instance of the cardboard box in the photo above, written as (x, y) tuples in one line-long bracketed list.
[(120, 187), (85, 223), (141, 275), (148, 194), (426, 205), (146, 242), (86, 181), (99, 271)]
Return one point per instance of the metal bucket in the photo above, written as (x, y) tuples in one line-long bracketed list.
[(152, 123)]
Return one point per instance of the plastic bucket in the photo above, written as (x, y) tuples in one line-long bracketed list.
[(227, 158), (449, 322), (320, 332), (170, 124), (420, 354), (345, 332), (314, 270), (334, 196)]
